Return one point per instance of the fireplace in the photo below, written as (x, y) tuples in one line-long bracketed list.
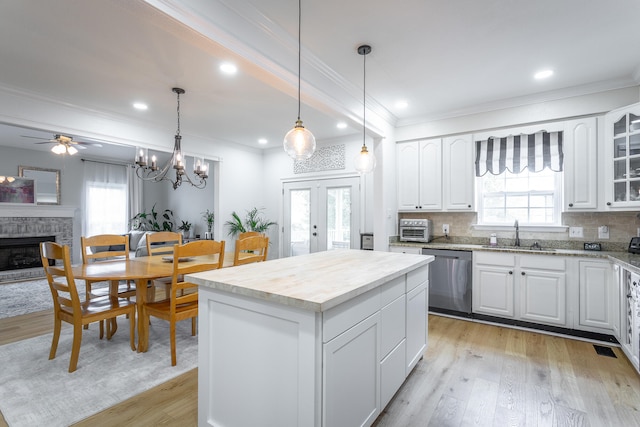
[(17, 253)]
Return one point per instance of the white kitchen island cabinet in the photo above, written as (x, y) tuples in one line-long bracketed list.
[(324, 339)]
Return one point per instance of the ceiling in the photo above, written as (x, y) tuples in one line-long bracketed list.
[(444, 58)]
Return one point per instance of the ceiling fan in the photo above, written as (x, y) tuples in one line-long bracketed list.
[(65, 144)]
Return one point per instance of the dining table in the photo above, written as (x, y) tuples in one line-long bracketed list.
[(139, 270)]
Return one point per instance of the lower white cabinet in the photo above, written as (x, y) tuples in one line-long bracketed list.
[(366, 363), (597, 297), (406, 249), (531, 288)]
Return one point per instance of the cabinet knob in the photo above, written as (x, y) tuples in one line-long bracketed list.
[(469, 206), (570, 205), (522, 273), (608, 203), (510, 272)]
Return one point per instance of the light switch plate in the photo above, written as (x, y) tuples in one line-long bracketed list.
[(445, 228), (603, 232), (576, 232)]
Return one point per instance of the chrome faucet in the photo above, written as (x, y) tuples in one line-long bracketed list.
[(517, 242)]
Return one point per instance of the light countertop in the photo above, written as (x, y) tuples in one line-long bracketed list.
[(314, 282)]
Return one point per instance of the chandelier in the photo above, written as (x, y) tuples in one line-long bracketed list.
[(151, 172)]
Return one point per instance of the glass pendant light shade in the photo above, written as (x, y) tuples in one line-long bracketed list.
[(364, 161), (299, 143)]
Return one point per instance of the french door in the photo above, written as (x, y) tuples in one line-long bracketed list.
[(321, 215)]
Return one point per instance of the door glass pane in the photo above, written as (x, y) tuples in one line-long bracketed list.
[(619, 169), (619, 147), (620, 126), (300, 221), (634, 122), (634, 144), (338, 218), (620, 190)]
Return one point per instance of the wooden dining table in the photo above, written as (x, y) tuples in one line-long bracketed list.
[(139, 270)]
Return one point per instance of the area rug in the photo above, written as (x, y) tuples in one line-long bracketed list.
[(35, 391), (31, 296)]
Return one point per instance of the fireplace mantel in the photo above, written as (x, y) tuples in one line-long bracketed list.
[(37, 211)]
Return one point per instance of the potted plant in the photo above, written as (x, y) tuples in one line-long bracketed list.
[(209, 219), (252, 222), (185, 228), (153, 221)]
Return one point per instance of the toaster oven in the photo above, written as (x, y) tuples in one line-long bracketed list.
[(416, 230)]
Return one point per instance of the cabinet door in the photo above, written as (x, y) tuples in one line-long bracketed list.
[(458, 173), (596, 295), (431, 174), (408, 173), (618, 303), (622, 158), (580, 165), (351, 383), (417, 324), (406, 249), (493, 291), (543, 297)]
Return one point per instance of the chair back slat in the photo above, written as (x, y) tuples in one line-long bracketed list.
[(162, 242), (251, 249), (104, 246)]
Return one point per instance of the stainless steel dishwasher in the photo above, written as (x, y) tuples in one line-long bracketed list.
[(450, 281)]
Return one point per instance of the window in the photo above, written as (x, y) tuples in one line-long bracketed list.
[(105, 199), (532, 198)]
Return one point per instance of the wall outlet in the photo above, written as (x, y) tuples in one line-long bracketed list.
[(603, 232), (576, 232), (445, 228), (638, 231)]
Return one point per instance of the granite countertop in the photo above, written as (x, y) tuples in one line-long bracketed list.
[(624, 259), (314, 282)]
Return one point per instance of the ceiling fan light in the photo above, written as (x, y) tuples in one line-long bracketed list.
[(364, 161), (71, 150), (299, 143), (59, 149)]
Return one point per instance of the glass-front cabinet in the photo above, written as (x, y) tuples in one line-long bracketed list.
[(622, 133)]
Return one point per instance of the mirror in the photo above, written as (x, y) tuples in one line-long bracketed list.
[(47, 183)]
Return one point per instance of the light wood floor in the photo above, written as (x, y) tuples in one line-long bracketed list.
[(472, 374)]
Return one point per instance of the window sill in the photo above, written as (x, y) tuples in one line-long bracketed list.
[(536, 228)]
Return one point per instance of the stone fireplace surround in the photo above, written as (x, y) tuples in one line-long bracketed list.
[(35, 221)]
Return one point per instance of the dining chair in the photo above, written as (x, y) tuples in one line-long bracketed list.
[(67, 306), (162, 243), (251, 249), (183, 295), (103, 247), (248, 234)]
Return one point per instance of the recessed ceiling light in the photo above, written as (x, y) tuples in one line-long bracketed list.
[(543, 74), (341, 125), (140, 106), (402, 104), (262, 141), (228, 68)]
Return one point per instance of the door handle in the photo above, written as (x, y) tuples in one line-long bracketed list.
[(314, 233)]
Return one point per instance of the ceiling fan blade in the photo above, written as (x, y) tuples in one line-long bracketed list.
[(46, 142), (92, 144)]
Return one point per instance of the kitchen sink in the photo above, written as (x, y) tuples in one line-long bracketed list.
[(519, 248)]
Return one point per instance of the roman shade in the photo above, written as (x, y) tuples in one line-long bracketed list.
[(519, 152)]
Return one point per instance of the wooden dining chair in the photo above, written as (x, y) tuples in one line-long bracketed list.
[(103, 247), (183, 296), (162, 243), (67, 306), (251, 249)]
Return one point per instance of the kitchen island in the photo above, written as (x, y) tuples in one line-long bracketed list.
[(324, 339)]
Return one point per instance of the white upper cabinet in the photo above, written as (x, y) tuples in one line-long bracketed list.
[(436, 174), (580, 165), (419, 175), (622, 158), (458, 173)]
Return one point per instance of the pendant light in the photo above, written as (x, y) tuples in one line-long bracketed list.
[(299, 143), (364, 161)]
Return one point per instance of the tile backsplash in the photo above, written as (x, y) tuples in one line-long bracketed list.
[(622, 226)]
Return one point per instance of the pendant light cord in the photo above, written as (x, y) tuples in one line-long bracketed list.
[(299, 51), (178, 109), (364, 99)]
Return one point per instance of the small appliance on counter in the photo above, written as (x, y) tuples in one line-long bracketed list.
[(366, 241), (634, 245), (416, 230)]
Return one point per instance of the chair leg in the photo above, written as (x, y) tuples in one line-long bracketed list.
[(57, 325), (172, 332), (102, 329), (193, 326), (87, 289), (75, 348)]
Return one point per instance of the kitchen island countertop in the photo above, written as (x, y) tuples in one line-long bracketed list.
[(315, 282)]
